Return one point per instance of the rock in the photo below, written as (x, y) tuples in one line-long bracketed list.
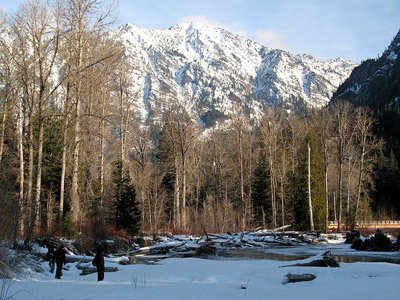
[(379, 242), (300, 277), (351, 235)]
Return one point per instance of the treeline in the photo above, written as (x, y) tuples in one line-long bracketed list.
[(76, 155)]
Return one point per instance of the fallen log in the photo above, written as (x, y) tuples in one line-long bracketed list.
[(147, 259), (327, 261), (89, 270), (280, 242), (276, 234), (319, 263), (300, 277), (282, 228)]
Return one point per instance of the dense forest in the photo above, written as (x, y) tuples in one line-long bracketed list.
[(76, 158)]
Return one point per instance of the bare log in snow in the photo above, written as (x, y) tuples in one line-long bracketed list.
[(300, 277), (89, 270)]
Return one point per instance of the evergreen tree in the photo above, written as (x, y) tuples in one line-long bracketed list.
[(387, 183), (165, 161), (51, 172), (301, 213), (259, 193), (317, 180), (127, 212), (52, 152), (301, 219)]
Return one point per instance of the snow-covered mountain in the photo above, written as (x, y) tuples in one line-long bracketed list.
[(212, 72)]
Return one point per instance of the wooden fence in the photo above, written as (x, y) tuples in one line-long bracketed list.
[(368, 224)]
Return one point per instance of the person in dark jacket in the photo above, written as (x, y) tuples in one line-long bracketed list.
[(50, 257), (59, 257), (98, 261)]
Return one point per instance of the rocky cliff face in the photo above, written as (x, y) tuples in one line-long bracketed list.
[(375, 82), (212, 72)]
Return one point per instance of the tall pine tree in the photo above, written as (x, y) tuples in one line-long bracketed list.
[(317, 180), (260, 193), (301, 213), (127, 212)]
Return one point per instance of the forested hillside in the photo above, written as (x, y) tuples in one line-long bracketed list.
[(76, 158), (376, 84)]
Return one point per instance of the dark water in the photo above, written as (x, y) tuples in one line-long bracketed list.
[(353, 259), (259, 254)]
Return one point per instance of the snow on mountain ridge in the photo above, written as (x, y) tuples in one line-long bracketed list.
[(368, 73), (212, 70)]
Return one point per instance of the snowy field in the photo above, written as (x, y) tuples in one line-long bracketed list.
[(221, 278)]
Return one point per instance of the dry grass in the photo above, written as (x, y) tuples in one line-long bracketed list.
[(5, 260)]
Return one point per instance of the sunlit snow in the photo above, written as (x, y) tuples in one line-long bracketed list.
[(221, 278)]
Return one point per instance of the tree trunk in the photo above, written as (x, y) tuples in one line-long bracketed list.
[(75, 201), (348, 217), (122, 127), (75, 205), (273, 195), (340, 196), (29, 196), (184, 204), (282, 202), (360, 179), (243, 223), (326, 186), (364, 125), (177, 206), (102, 134), (283, 173), (3, 130), (309, 189), (21, 176), (64, 157), (249, 212), (334, 208), (39, 175), (39, 165)]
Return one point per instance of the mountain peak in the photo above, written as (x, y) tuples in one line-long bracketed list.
[(212, 72), (194, 25), (394, 48)]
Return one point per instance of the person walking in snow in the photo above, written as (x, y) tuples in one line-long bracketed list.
[(59, 257), (98, 261)]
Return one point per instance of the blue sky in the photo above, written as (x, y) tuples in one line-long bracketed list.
[(352, 29)]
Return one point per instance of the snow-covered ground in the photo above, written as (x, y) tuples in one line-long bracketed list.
[(221, 278)]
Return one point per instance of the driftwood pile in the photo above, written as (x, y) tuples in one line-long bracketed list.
[(210, 245), (207, 246)]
